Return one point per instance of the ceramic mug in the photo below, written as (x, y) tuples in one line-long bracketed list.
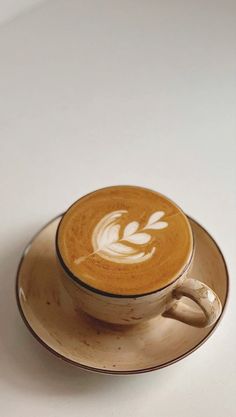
[(132, 309)]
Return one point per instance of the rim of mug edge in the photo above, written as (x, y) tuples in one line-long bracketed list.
[(79, 281), (110, 371)]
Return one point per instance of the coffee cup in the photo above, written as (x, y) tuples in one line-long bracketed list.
[(126, 253)]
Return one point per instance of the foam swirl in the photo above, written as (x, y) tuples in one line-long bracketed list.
[(128, 247)]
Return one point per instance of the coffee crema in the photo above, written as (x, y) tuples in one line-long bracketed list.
[(125, 240)]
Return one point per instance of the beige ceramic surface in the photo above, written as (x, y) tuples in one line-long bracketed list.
[(66, 331)]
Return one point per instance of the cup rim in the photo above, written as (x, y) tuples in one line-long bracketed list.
[(80, 282)]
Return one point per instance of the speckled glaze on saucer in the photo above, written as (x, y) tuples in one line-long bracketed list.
[(70, 334)]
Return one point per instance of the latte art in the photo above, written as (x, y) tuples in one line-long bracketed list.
[(109, 243), (124, 240)]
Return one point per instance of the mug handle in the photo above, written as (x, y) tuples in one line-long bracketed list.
[(203, 296)]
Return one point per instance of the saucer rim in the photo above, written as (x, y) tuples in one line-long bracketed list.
[(110, 371)]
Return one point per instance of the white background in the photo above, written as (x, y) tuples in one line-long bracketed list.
[(94, 93), (9, 9)]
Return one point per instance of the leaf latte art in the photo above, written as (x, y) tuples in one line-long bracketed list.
[(128, 247), (124, 240)]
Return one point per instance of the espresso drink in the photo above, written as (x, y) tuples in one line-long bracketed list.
[(125, 240)]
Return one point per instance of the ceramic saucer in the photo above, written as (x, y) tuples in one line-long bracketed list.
[(71, 335)]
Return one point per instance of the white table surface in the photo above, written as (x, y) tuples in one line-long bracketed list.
[(94, 93), (9, 9)]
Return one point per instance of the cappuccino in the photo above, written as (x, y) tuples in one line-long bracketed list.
[(125, 240)]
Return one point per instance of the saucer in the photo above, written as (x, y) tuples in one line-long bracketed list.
[(70, 334)]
